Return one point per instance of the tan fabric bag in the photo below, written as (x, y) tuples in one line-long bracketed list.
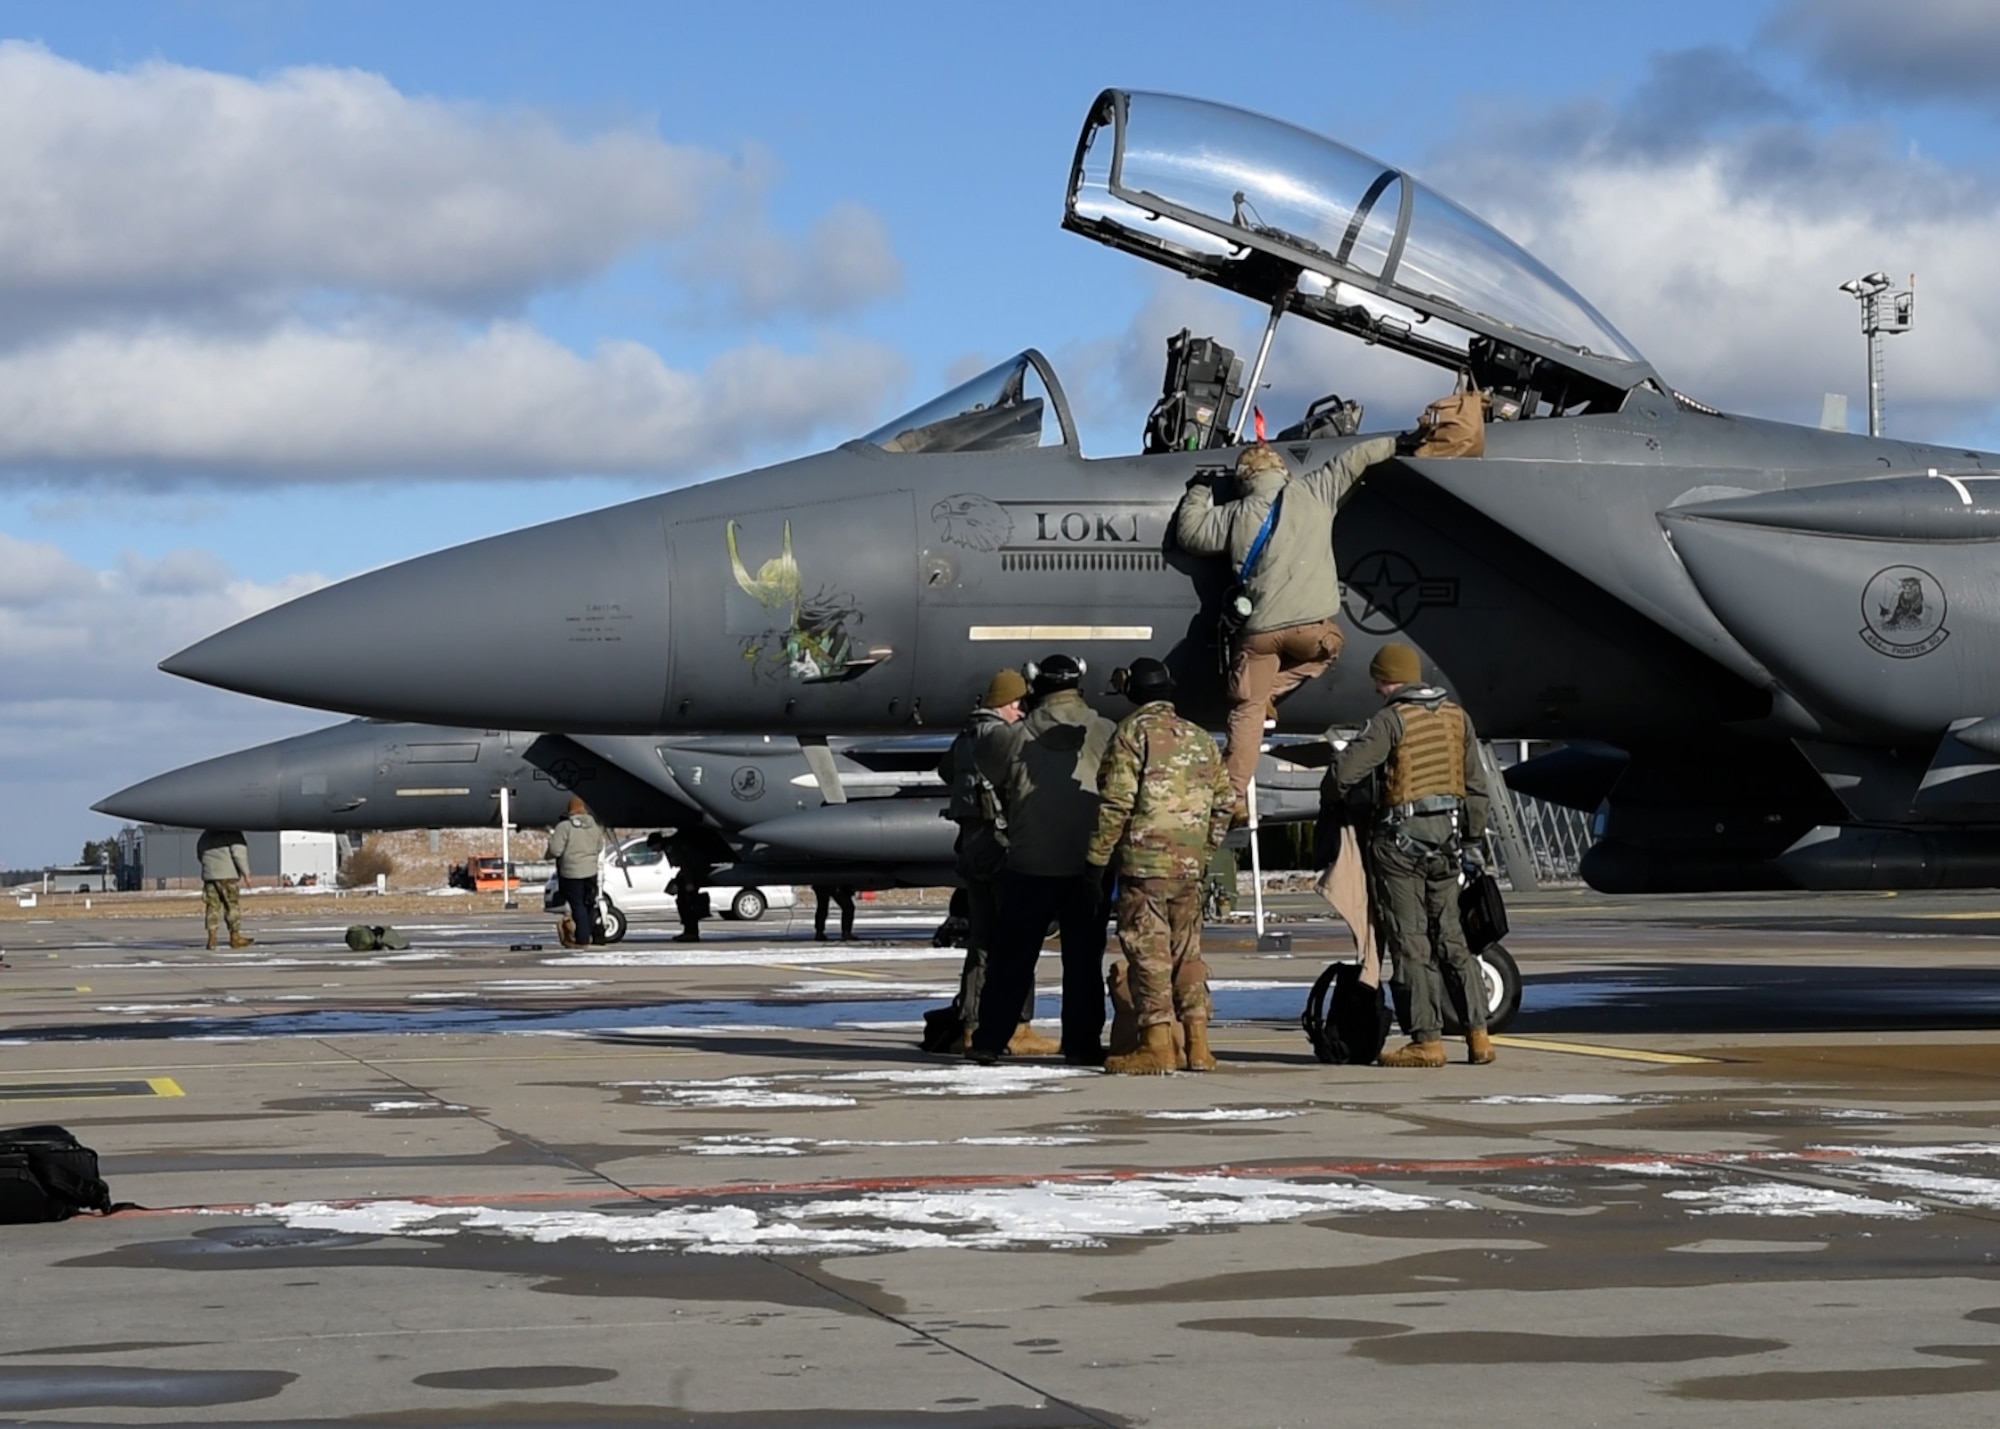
[(1454, 425), (1344, 885)]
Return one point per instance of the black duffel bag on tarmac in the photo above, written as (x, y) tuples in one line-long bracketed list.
[(46, 1174)]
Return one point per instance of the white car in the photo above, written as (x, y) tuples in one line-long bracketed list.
[(632, 882)]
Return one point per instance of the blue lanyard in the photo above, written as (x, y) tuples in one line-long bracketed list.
[(1263, 535)]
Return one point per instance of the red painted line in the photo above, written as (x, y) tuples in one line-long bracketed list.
[(1281, 1171)]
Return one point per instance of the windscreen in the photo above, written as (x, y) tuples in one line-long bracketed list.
[(1002, 409)]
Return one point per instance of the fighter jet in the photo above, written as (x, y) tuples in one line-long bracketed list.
[(1777, 638), (870, 815)]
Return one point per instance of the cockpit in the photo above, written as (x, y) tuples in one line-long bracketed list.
[(1304, 225), (1001, 409)]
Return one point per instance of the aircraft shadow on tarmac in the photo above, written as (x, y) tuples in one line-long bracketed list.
[(1632, 999), (1716, 997)]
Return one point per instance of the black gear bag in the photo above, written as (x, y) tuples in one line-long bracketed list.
[(1346, 1020), (1480, 912), (47, 1175)]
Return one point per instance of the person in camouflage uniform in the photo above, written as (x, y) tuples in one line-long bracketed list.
[(1164, 804)]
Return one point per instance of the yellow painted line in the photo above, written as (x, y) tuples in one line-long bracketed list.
[(71, 1089), (1535, 1044), (1585, 1049), (165, 1087), (1958, 917), (17, 987)]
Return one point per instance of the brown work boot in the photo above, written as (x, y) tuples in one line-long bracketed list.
[(1416, 1054), (1124, 1016), (1027, 1042), (237, 940), (1199, 1058), (1155, 1057), (1478, 1047), (211, 940)]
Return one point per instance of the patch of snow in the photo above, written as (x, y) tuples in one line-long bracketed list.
[(724, 955), (1649, 1168), (1060, 1214), (1981, 1191), (1785, 1200), (1224, 1113), (1553, 1099)]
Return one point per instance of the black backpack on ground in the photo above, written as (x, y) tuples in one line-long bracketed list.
[(47, 1175), (1346, 1020), (944, 1029), (1480, 912)]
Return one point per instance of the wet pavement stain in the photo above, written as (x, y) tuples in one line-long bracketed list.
[(1501, 1347), (579, 1268), (561, 1415), (1298, 1327), (73, 1386), (1625, 1246), (1901, 1381), (119, 1347), (526, 1376)]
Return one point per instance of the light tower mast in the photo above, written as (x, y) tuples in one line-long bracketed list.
[(1882, 312)]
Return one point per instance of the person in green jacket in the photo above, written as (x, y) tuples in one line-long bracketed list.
[(1288, 632), (225, 863)]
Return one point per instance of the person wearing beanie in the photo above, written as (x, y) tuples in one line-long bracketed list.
[(576, 844), (980, 854), (1277, 535), (1045, 774), (1432, 794), (1164, 802)]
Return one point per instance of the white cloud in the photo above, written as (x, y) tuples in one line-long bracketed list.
[(167, 185), (1721, 262), (366, 400), (82, 710)]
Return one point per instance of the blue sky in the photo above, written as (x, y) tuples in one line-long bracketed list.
[(290, 290)]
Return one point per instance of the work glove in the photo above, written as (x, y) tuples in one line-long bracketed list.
[(1407, 442)]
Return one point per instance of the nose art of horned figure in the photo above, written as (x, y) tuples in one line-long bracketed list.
[(776, 585)]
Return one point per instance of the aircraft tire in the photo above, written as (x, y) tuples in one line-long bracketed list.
[(1503, 988), (616, 924), (747, 906)]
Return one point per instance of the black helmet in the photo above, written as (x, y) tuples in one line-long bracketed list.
[(1148, 680), (1054, 673)]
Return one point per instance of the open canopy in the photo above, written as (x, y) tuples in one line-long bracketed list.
[(1307, 225), (999, 410)]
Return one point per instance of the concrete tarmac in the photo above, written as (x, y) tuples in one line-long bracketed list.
[(1737, 1162)]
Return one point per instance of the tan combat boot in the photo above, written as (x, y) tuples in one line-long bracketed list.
[(237, 940), (211, 940), (1027, 1042), (1199, 1058), (1155, 1057), (1124, 1016), (1478, 1047), (1415, 1054)]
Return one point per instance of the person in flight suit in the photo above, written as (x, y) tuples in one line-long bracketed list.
[(1164, 805), (694, 864), (1432, 795), (1047, 778), (825, 896), (1292, 591), (980, 852)]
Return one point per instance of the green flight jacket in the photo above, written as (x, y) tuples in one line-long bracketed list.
[(1047, 778), (1294, 582)]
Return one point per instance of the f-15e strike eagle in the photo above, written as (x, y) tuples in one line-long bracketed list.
[(1774, 651), (870, 815)]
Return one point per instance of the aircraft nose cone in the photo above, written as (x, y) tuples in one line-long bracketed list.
[(562, 626), (235, 791)]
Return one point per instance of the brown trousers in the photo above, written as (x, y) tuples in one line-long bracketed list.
[(1269, 665)]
